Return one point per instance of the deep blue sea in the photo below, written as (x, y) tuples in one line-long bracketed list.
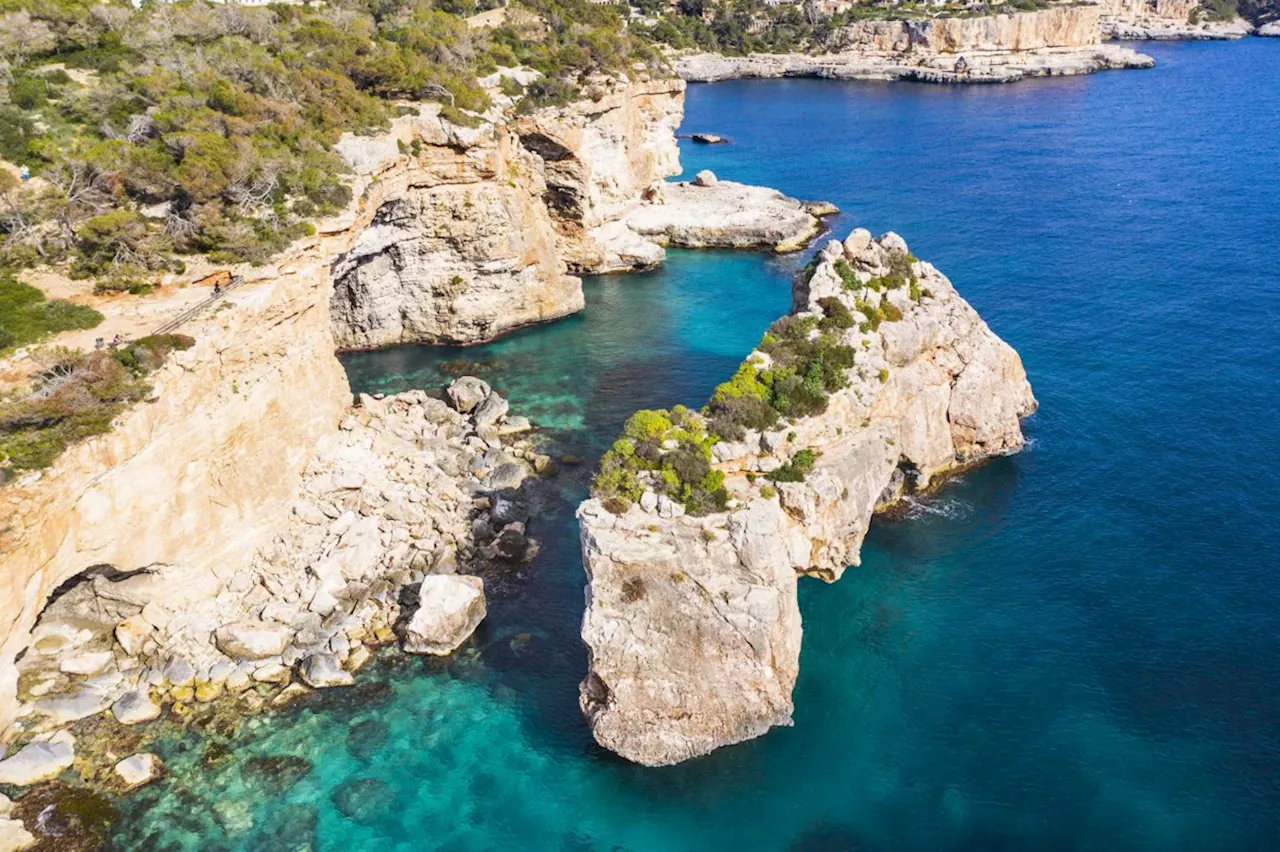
[(1077, 648)]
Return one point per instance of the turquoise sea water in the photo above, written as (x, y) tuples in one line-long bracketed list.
[(1077, 648)]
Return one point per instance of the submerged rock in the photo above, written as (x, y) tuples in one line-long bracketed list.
[(364, 799), (450, 607), (138, 769), (66, 817), (275, 773), (292, 828), (366, 737)]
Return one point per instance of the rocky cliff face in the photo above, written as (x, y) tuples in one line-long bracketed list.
[(201, 474), (692, 626), (1060, 40), (1164, 20), (493, 221), (1055, 27)]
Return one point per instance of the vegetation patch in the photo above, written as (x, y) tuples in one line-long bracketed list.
[(27, 317), (76, 396), (209, 128), (795, 470)]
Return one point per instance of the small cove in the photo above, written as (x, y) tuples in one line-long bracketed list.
[(1074, 648)]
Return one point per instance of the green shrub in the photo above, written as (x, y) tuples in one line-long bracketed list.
[(848, 277), (795, 470), (27, 317), (77, 396)]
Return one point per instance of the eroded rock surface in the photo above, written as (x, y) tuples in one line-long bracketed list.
[(1165, 20), (692, 626), (710, 212), (393, 498)]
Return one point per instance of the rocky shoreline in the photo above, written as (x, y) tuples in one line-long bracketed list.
[(977, 68), (408, 494), (692, 625)]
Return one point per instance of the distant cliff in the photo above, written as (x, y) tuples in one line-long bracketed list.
[(1056, 41)]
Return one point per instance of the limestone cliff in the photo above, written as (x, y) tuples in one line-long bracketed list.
[(492, 221), (204, 474), (692, 625), (1003, 48), (201, 474)]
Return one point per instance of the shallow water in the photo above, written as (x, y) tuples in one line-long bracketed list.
[(1076, 648)]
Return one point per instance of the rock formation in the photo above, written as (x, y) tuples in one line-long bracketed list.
[(709, 212), (994, 48), (494, 222), (692, 625)]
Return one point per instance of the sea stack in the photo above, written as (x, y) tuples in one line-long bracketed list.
[(692, 624)]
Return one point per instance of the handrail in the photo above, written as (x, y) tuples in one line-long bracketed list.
[(195, 309)]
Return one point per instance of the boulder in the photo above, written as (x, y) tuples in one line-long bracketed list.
[(323, 670), (450, 607), (135, 707), (179, 672), (87, 663), (706, 177), (36, 762), (490, 411), (64, 709), (133, 633), (467, 392), (138, 769), (252, 640)]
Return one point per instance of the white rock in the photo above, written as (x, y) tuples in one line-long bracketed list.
[(467, 392), (14, 836), (88, 663), (36, 762), (133, 633), (138, 769), (252, 640), (449, 610), (322, 670), (706, 178), (135, 707)]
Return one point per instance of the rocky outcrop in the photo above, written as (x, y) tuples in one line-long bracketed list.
[(692, 626), (709, 212), (1061, 40), (1271, 30), (494, 222), (1165, 20)]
